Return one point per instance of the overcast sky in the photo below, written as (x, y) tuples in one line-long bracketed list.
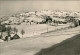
[(12, 7), (40, 0)]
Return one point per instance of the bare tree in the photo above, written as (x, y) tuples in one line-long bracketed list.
[(1, 30), (15, 30), (22, 32), (8, 29)]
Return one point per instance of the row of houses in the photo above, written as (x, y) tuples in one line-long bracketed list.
[(33, 19), (10, 37), (37, 16)]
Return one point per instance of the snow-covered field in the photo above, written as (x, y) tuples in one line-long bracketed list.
[(30, 46), (31, 30)]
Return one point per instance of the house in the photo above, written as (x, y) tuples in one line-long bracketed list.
[(34, 19), (16, 37), (5, 22)]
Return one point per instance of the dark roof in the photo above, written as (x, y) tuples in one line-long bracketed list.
[(16, 36)]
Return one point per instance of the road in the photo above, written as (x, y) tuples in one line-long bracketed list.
[(32, 45)]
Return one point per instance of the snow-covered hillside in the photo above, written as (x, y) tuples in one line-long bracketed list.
[(38, 16)]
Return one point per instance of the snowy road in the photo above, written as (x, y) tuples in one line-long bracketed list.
[(32, 45)]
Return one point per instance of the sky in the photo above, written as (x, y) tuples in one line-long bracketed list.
[(8, 7), (40, 0)]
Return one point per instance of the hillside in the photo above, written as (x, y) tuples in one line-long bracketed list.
[(67, 47), (38, 16)]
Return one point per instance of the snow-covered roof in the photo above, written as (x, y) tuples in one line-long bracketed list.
[(35, 19), (77, 18), (1, 40), (5, 22), (58, 19)]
